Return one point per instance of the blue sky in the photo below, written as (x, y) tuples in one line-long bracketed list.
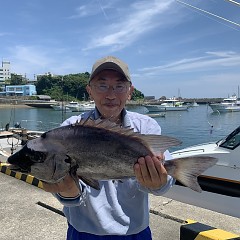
[(172, 48)]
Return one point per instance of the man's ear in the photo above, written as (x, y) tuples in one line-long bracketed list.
[(130, 92), (89, 92)]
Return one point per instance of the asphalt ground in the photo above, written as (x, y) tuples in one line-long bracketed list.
[(27, 212)]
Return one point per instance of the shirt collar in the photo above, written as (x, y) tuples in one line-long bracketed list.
[(125, 119)]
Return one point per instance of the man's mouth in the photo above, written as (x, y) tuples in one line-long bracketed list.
[(110, 105)]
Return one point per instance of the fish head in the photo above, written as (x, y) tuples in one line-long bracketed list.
[(55, 167), (26, 157), (42, 161)]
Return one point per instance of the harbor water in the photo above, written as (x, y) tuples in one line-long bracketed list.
[(23, 217), (195, 126)]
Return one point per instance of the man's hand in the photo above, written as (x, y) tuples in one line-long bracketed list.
[(150, 172), (66, 188)]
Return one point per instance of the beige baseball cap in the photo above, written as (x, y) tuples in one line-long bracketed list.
[(110, 62)]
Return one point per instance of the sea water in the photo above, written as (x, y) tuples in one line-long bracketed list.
[(195, 126)]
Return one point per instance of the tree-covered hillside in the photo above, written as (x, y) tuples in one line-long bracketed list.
[(69, 87)]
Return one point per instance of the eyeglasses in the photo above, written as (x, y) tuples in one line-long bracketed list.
[(103, 88)]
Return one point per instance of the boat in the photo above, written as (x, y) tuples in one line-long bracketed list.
[(73, 106), (40, 103), (156, 115), (81, 107), (231, 104), (61, 107), (193, 104), (170, 104), (87, 106), (220, 183)]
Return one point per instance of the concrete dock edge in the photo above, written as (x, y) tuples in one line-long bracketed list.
[(4, 168), (189, 230), (193, 230)]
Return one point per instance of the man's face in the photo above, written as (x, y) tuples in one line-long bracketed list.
[(110, 91)]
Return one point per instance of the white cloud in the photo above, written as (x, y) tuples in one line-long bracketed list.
[(138, 19), (213, 60), (93, 8), (222, 53)]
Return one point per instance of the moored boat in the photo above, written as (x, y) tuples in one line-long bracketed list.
[(87, 106), (220, 183), (231, 104), (156, 115), (40, 103), (81, 107), (193, 104), (61, 107), (73, 106), (170, 104)]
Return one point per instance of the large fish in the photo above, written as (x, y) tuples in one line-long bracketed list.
[(95, 150)]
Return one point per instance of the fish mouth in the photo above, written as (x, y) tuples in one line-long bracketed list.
[(20, 161), (25, 158)]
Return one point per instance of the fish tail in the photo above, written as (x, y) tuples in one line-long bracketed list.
[(186, 170)]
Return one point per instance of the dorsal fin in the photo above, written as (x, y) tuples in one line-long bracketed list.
[(155, 143), (105, 124), (159, 143)]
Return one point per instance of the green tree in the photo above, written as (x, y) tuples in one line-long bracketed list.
[(137, 95), (16, 79), (69, 87)]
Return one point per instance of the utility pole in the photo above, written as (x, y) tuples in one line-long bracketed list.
[(62, 100)]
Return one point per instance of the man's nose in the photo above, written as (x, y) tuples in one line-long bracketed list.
[(111, 92)]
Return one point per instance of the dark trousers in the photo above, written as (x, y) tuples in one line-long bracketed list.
[(73, 234)]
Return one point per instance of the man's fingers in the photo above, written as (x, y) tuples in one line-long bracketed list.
[(138, 173), (150, 172), (153, 165)]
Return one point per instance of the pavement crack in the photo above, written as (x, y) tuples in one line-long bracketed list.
[(50, 208), (167, 216)]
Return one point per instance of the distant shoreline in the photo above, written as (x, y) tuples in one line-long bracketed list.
[(2, 105)]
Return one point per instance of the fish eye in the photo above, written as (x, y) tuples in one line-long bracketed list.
[(67, 160), (37, 157)]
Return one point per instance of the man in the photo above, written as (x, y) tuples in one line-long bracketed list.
[(119, 210)]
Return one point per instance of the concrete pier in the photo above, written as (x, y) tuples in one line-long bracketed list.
[(27, 213)]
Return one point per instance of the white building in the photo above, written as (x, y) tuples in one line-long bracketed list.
[(5, 73)]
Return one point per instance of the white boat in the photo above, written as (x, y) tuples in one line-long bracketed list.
[(220, 183), (231, 104), (81, 107), (73, 106), (61, 107), (170, 104), (156, 115), (87, 106), (193, 104)]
